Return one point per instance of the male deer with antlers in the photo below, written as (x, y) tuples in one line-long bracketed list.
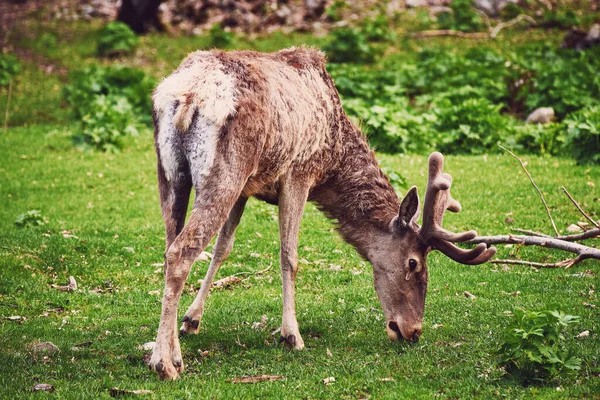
[(237, 124)]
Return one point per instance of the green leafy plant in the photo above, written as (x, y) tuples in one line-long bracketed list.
[(350, 45), (462, 18), (31, 218), (583, 134), (116, 39), (9, 67), (220, 38), (109, 103), (92, 81), (108, 121), (378, 29), (472, 126), (534, 345)]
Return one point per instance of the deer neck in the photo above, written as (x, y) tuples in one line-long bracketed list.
[(358, 196)]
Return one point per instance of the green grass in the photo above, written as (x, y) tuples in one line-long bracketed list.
[(110, 204), (105, 229)]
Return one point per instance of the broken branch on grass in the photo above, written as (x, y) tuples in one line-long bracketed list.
[(561, 264), (449, 32), (579, 208), (583, 252), (522, 17), (233, 279), (534, 185)]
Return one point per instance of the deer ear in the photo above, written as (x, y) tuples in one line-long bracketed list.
[(409, 210)]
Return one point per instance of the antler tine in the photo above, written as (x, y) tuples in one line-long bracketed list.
[(437, 201)]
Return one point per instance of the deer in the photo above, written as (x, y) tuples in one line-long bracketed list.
[(236, 124)]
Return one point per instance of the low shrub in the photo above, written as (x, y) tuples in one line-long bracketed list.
[(9, 67), (107, 121), (220, 38), (534, 346), (116, 39), (109, 103), (583, 134), (350, 45), (88, 83)]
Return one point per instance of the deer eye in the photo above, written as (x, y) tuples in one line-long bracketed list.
[(412, 264)]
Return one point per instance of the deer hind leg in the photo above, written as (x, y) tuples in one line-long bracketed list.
[(292, 198), (193, 316), (211, 208)]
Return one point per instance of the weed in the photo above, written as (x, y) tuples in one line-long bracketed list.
[(534, 345), (31, 218)]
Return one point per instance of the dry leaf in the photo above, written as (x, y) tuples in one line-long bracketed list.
[(261, 324), (435, 326), (14, 318), (154, 293), (116, 392), (513, 294), (227, 281), (328, 381), (204, 256), (469, 295), (329, 353), (44, 387), (335, 267), (258, 234), (388, 379), (69, 288), (583, 334), (45, 347), (146, 346), (258, 378), (574, 228)]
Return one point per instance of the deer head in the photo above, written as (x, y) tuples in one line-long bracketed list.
[(399, 258)]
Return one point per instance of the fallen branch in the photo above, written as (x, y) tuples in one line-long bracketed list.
[(233, 279), (583, 252), (534, 185), (561, 264), (449, 32), (522, 17)]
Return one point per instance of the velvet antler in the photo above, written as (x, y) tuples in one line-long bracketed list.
[(437, 201)]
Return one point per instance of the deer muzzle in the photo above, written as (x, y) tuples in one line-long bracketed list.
[(398, 331)]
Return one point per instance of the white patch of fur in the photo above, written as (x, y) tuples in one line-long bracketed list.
[(202, 86), (201, 147), (169, 156)]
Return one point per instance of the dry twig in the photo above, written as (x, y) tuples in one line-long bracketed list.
[(534, 185), (449, 32), (522, 17), (579, 208)]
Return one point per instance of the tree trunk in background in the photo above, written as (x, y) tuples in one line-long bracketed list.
[(140, 15), (314, 8)]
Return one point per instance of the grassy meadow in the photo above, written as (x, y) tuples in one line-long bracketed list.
[(104, 228)]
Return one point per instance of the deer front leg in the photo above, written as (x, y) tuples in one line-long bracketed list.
[(292, 198), (224, 244)]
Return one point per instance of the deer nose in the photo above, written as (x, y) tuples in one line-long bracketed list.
[(415, 336)]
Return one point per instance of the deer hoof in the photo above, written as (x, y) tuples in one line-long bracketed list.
[(166, 370), (291, 342), (189, 326)]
